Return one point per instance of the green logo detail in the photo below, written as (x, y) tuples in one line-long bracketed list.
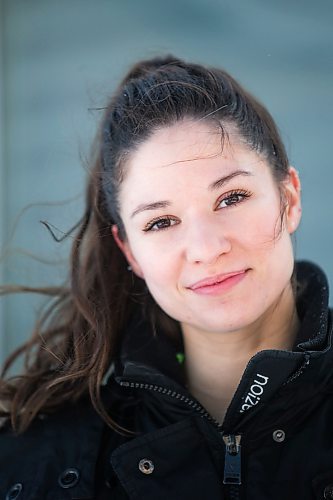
[(180, 357)]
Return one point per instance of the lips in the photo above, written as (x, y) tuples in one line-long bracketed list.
[(215, 280)]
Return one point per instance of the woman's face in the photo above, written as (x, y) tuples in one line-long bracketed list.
[(203, 226)]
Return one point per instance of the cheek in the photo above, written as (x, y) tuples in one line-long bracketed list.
[(161, 275), (269, 243), (261, 229), (158, 265)]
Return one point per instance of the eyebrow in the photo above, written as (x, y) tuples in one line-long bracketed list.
[(212, 187), (223, 180), (150, 206)]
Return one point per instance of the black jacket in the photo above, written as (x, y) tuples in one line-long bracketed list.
[(276, 441)]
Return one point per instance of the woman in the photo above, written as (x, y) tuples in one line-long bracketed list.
[(188, 357)]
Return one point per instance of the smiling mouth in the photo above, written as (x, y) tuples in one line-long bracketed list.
[(220, 282)]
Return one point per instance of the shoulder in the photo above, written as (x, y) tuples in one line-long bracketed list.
[(56, 456)]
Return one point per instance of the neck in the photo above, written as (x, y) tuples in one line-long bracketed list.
[(215, 362)]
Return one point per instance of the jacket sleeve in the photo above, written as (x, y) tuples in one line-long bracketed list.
[(55, 458)]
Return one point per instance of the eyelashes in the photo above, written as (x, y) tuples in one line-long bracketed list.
[(227, 200), (233, 198), (160, 223)]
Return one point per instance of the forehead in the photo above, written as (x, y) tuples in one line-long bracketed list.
[(184, 141), (185, 155)]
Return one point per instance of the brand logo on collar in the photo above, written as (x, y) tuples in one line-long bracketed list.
[(255, 393)]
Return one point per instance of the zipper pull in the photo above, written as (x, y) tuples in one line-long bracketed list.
[(232, 463)]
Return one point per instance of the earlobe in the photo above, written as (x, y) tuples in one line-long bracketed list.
[(293, 195), (127, 252)]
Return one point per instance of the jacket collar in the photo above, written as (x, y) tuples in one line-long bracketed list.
[(312, 308)]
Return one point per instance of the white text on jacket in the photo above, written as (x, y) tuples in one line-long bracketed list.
[(256, 391)]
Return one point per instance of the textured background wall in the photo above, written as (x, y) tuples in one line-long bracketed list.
[(59, 59)]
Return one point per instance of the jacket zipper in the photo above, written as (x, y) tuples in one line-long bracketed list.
[(169, 392), (232, 464)]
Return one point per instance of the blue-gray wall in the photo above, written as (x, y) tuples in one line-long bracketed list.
[(60, 58)]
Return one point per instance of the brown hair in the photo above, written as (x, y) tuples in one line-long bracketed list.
[(78, 337)]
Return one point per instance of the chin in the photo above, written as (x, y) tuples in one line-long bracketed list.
[(224, 323)]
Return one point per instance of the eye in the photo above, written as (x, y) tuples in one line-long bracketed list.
[(233, 198), (160, 223)]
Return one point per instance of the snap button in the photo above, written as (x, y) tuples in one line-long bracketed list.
[(328, 491), (279, 435), (69, 478), (146, 466), (14, 491)]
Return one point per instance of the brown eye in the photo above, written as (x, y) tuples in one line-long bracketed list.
[(160, 224), (233, 198)]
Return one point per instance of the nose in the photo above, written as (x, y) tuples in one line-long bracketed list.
[(206, 241)]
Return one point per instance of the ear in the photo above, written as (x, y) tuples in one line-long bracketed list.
[(126, 250), (292, 189)]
